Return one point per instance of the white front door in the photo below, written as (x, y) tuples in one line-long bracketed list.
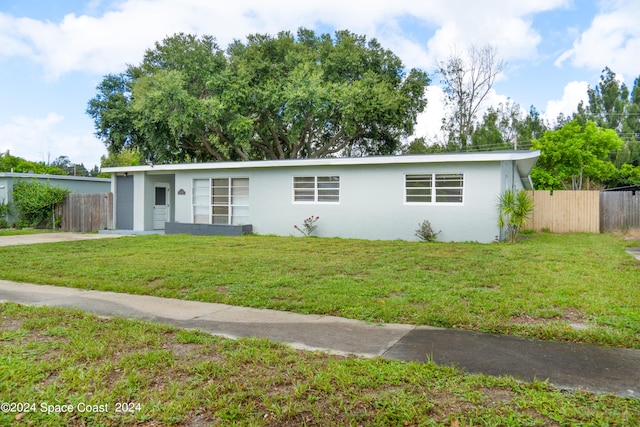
[(160, 206)]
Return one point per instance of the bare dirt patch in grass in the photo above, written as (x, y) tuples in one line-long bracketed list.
[(632, 234), (573, 316), (496, 396), (8, 324)]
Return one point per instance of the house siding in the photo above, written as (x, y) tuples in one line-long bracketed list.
[(372, 194), (372, 201)]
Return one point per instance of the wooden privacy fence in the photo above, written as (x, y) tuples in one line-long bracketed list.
[(86, 212), (619, 210), (563, 211)]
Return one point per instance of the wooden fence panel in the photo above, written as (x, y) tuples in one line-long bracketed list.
[(86, 212), (620, 210), (564, 211)]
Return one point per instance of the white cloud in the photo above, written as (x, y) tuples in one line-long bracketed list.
[(612, 40), (429, 122), (574, 92), (506, 25), (40, 139), (106, 43)]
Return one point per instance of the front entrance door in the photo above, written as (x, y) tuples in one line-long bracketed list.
[(160, 206), (124, 202)]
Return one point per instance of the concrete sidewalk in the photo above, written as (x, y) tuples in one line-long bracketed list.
[(565, 365)]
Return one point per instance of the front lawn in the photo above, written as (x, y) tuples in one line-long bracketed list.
[(577, 287), (64, 368)]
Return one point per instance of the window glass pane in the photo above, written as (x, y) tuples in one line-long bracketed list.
[(449, 180), (304, 196), (240, 186), (419, 199), (200, 199), (240, 191), (418, 188), (418, 194), (329, 189), (200, 190), (240, 215), (161, 196), (311, 179), (418, 191), (449, 188), (224, 219), (448, 199), (329, 196), (304, 182), (419, 180), (328, 182), (221, 210), (220, 191), (201, 219), (304, 188)]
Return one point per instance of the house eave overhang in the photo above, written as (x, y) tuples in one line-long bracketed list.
[(525, 160)]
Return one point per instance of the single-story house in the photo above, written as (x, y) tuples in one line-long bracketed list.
[(378, 197), (76, 184)]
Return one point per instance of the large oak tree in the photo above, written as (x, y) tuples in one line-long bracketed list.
[(270, 97)]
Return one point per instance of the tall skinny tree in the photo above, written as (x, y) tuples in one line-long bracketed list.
[(467, 82)]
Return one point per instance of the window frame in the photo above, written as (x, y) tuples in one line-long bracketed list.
[(228, 202), (315, 189), (433, 191)]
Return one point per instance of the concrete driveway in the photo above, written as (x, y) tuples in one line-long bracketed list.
[(29, 239)]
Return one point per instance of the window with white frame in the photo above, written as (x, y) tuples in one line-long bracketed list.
[(316, 189), (434, 188), (221, 201)]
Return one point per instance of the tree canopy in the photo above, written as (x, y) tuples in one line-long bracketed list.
[(10, 163), (270, 97), (575, 156)]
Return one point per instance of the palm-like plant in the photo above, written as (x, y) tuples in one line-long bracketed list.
[(514, 209)]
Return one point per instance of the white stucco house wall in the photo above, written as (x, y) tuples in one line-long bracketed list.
[(379, 197)]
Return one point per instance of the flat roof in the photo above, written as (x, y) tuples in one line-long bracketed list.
[(525, 159), (48, 176)]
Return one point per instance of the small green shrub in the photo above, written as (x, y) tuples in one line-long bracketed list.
[(425, 232)]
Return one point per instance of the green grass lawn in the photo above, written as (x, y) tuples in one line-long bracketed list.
[(574, 287), (123, 372)]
